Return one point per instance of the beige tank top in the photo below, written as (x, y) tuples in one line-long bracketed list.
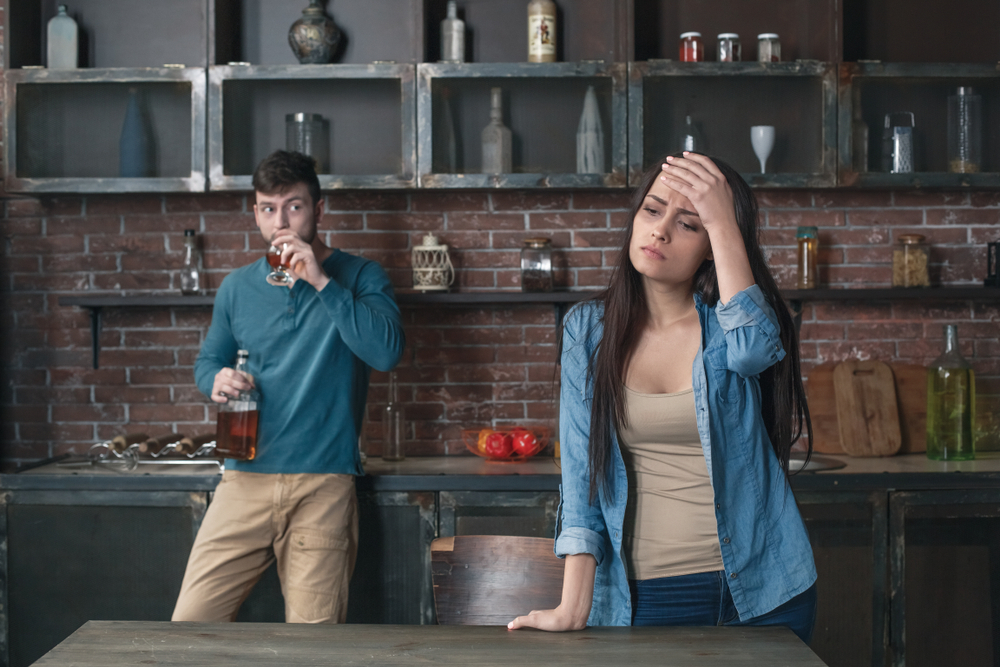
[(670, 527)]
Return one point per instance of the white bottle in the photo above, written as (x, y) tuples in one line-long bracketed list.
[(62, 41), (497, 139), (452, 36), (590, 137)]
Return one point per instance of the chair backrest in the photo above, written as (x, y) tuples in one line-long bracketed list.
[(491, 579)]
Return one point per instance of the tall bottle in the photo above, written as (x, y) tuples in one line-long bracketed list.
[(62, 41), (691, 139), (497, 140), (236, 429), (951, 403), (393, 425), (452, 36), (541, 31), (590, 137), (135, 147), (191, 271)]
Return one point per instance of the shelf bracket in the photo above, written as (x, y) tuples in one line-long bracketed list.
[(95, 333)]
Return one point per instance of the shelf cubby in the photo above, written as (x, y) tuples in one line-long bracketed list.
[(62, 129), (370, 109), (725, 100), (542, 105), (871, 90)]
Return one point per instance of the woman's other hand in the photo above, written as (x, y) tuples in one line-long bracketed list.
[(550, 620)]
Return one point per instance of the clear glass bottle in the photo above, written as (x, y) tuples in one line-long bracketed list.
[(951, 403), (191, 271), (965, 131), (497, 139), (452, 36), (393, 425), (691, 48), (729, 49), (910, 258), (236, 428), (536, 265), (768, 48), (541, 31), (807, 240), (691, 138)]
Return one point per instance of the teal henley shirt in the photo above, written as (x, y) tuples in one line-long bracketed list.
[(311, 354)]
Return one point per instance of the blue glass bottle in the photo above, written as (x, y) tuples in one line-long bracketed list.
[(135, 147)]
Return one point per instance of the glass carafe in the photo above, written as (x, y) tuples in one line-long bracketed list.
[(951, 403)]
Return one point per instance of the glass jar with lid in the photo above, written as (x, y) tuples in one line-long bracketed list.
[(910, 258), (729, 49), (692, 49), (536, 265), (768, 48)]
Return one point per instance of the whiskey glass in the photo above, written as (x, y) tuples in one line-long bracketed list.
[(279, 275)]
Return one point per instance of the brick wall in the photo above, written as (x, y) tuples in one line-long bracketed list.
[(463, 367)]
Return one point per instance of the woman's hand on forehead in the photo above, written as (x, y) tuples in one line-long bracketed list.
[(698, 178)]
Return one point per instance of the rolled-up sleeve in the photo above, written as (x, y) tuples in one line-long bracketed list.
[(753, 336), (581, 523)]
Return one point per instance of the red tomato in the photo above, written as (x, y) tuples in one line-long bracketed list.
[(498, 445), (525, 443)]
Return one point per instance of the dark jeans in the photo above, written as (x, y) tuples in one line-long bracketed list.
[(704, 599)]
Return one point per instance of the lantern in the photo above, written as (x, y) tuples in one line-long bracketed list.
[(432, 269)]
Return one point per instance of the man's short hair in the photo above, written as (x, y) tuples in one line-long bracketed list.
[(284, 169)]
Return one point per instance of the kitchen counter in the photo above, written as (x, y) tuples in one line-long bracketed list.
[(469, 473)]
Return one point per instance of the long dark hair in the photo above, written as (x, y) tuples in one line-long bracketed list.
[(783, 400)]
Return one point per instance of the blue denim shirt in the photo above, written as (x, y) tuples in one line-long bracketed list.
[(765, 546)]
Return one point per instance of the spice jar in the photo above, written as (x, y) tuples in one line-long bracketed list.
[(909, 261), (807, 240), (729, 49), (768, 48), (536, 265), (692, 50)]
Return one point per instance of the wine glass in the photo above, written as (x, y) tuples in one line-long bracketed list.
[(762, 138), (279, 272)]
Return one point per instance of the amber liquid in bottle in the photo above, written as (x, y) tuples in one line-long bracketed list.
[(236, 428)]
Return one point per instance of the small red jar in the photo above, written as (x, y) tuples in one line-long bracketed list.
[(692, 50)]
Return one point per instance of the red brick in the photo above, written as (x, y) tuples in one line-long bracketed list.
[(74, 377), (486, 221), (809, 218), (341, 222), (966, 330), (924, 199), (460, 240), (405, 221), (813, 332), (482, 335), (61, 282), (832, 311), (77, 263), (983, 235), (235, 222), (601, 200), (200, 203), (526, 314), (366, 201), (131, 281), (543, 411), (522, 392), (46, 245), (449, 201), (528, 200), (878, 254), (157, 339), (515, 353), (136, 318), (863, 350), (855, 237), (459, 355), (24, 208), (370, 240), (488, 373), (228, 260), (593, 239), (861, 276), (146, 243), (143, 224), (161, 376), (139, 414), (453, 394), (784, 199), (132, 395), (883, 331), (591, 220), (923, 311), (851, 199), (778, 237), (21, 226), (593, 278), (61, 433), (62, 205), (984, 198), (869, 218), (963, 216), (124, 204), (926, 349), (137, 358), (185, 357), (88, 413), (480, 260), (91, 224), (24, 264)]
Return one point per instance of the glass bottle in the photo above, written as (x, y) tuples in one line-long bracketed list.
[(541, 31), (729, 49), (590, 137), (135, 145), (497, 154), (236, 429), (191, 272), (691, 48), (691, 138), (909, 261), (536, 265), (965, 131), (951, 403), (452, 36), (393, 425), (807, 240), (62, 44)]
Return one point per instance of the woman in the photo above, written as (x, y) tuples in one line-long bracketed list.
[(680, 390)]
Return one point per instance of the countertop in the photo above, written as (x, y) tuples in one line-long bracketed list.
[(470, 473)]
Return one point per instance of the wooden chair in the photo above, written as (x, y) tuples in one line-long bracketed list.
[(490, 579)]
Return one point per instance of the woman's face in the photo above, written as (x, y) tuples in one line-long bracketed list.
[(669, 242)]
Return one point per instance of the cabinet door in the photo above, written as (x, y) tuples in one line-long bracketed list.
[(74, 556), (520, 513)]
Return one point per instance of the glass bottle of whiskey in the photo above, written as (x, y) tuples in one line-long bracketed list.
[(236, 429)]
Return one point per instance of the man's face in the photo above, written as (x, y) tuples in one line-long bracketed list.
[(292, 208)]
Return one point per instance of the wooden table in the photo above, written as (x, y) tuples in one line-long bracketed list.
[(112, 643)]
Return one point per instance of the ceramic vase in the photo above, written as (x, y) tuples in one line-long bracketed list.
[(590, 137), (314, 37), (135, 146), (497, 139)]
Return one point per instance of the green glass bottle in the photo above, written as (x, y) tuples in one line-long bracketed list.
[(951, 403)]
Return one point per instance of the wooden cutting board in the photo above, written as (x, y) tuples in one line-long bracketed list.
[(911, 398), (867, 410)]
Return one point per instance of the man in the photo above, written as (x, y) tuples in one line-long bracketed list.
[(311, 348)]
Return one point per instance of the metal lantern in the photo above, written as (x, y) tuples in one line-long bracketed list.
[(432, 269)]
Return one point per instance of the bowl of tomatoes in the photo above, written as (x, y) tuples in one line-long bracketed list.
[(511, 446)]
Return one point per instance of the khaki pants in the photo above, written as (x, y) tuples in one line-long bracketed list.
[(307, 523)]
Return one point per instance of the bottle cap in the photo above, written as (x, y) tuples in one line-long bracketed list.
[(537, 242), (728, 35), (690, 34), (767, 35), (911, 238), (806, 233), (188, 232), (242, 353)]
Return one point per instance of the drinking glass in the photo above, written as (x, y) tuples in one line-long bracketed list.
[(762, 138), (279, 272)]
